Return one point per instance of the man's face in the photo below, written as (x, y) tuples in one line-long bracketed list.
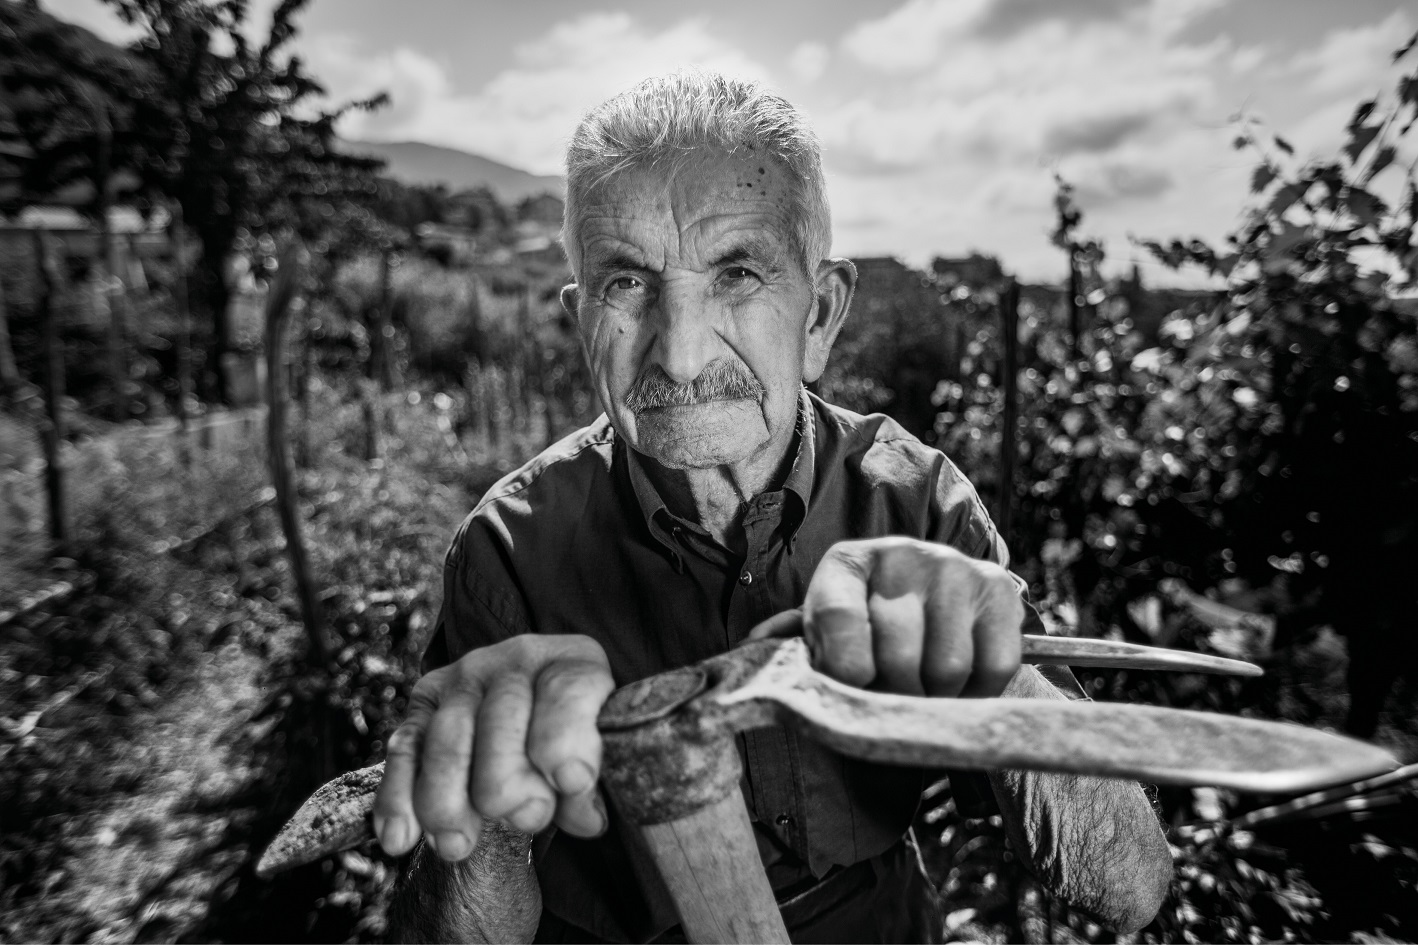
[(695, 312)]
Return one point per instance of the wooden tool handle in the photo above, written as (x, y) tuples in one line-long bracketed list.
[(709, 862)]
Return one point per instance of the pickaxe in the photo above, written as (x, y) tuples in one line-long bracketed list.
[(672, 768)]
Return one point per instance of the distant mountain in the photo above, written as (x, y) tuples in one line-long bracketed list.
[(413, 162)]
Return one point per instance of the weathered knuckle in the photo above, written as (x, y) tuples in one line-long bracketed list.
[(437, 811), (426, 690), (948, 669), (547, 754), (846, 668), (496, 797), (405, 742), (837, 620)]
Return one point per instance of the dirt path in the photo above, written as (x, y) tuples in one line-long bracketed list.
[(143, 864), (150, 862)]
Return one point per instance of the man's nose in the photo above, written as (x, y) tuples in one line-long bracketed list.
[(685, 340)]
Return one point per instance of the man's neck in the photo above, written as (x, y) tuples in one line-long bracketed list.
[(716, 498)]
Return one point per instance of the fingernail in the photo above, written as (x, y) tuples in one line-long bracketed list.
[(574, 777), (531, 816), (395, 833), (451, 845), (600, 804)]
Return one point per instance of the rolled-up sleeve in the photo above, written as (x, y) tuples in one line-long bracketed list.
[(1095, 841)]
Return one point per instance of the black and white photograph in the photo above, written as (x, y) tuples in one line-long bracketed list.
[(755, 472)]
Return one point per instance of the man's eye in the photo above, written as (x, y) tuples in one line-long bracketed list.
[(737, 273), (625, 284)]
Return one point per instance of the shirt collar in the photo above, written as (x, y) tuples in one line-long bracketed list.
[(798, 483)]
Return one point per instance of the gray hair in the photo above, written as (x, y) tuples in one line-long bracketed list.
[(663, 119)]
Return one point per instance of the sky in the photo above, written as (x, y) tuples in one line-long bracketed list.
[(942, 121)]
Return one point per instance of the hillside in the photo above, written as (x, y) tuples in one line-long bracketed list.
[(413, 162)]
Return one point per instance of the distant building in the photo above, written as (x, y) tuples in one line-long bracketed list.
[(458, 244), (140, 244)]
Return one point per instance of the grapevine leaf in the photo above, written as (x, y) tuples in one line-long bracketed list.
[(1284, 198), (1360, 137), (1367, 208), (1287, 239), (1382, 159), (1408, 89), (1404, 49), (1262, 177)]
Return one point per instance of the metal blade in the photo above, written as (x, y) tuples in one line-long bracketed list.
[(1088, 652), (335, 818), (1164, 746)]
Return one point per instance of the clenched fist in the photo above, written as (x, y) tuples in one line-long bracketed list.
[(508, 733), (911, 617)]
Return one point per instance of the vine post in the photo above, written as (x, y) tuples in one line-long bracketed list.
[(177, 236), (52, 426), (283, 298)]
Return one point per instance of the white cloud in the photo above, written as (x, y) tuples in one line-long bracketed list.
[(1354, 59), (525, 114), (955, 141), (809, 61), (911, 37)]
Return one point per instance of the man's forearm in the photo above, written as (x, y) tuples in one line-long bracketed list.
[(492, 896), (1094, 841)]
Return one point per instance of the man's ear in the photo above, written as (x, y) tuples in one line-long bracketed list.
[(571, 299), (836, 281)]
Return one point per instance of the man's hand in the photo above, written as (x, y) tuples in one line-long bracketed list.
[(911, 617), (508, 732)]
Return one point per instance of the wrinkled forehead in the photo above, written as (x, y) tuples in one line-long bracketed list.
[(686, 204)]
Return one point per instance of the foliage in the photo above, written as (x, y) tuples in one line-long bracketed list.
[(1319, 359), (67, 96)]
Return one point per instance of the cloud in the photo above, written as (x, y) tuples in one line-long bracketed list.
[(524, 114), (809, 61), (1006, 18), (1108, 183), (911, 36), (1093, 135), (1345, 61)]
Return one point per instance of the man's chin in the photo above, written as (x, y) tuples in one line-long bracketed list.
[(701, 436)]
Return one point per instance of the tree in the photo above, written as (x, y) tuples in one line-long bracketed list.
[(221, 135)]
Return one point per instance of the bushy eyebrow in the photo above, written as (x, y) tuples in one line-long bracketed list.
[(612, 261), (749, 250)]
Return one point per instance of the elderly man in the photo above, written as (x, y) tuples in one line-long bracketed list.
[(714, 494)]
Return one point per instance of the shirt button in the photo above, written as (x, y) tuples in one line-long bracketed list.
[(745, 579), (783, 820)]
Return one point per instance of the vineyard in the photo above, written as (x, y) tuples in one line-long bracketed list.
[(226, 500)]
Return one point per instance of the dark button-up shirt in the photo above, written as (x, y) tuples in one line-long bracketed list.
[(579, 541)]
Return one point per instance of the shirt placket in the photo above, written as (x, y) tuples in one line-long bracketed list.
[(772, 758)]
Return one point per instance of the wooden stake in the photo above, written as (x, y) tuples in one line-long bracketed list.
[(9, 373), (177, 237), (284, 292), (52, 429)]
